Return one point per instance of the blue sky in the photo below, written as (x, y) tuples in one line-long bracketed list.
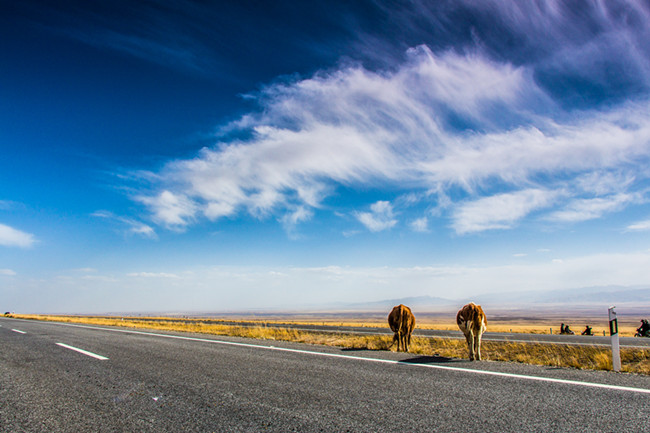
[(184, 156)]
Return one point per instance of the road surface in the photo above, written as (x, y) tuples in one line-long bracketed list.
[(71, 378)]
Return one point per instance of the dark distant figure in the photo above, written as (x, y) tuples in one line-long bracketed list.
[(643, 330), (564, 329), (402, 322), (587, 330)]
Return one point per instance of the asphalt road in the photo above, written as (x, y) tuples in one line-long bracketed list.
[(159, 382)]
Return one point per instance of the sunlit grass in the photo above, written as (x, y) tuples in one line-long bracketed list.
[(556, 355), (599, 327)]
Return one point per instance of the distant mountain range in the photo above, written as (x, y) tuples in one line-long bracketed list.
[(420, 301), (595, 300), (587, 296)]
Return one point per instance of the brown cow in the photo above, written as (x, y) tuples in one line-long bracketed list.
[(402, 323), (471, 320)]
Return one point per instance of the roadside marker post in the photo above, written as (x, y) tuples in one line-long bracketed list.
[(613, 331)]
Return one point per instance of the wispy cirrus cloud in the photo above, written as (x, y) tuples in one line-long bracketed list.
[(602, 45), (439, 122), (358, 128), (11, 237), (580, 52), (603, 183), (172, 35), (133, 227), (351, 127), (639, 226), (291, 219), (592, 208)]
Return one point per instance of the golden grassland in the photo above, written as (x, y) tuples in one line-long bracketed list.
[(499, 323), (583, 357)]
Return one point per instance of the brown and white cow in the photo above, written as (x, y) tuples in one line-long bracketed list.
[(402, 322), (471, 320)]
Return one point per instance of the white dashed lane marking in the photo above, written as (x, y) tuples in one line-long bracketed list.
[(85, 352)]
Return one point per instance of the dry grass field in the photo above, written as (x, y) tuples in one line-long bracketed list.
[(500, 322), (584, 357)]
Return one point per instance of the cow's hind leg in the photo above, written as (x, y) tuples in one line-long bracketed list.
[(477, 346), (470, 343)]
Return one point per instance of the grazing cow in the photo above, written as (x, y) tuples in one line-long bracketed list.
[(401, 321), (471, 320)]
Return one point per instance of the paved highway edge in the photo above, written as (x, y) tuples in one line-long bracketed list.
[(367, 359)]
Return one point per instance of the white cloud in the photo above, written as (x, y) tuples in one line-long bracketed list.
[(358, 128), (152, 275), (143, 230), (291, 220), (172, 210), (586, 209), (588, 44), (134, 227), (7, 272), (350, 127), (379, 218), (605, 140), (639, 226), (603, 183), (501, 211), (11, 237), (85, 270), (250, 287), (420, 225)]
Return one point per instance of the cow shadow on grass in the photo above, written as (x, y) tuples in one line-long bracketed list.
[(429, 360)]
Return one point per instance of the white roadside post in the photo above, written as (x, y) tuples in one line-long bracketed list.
[(613, 331)]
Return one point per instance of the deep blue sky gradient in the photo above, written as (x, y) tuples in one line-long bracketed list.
[(109, 110)]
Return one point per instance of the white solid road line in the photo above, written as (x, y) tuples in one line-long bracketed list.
[(85, 352), (360, 358), (19, 331)]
